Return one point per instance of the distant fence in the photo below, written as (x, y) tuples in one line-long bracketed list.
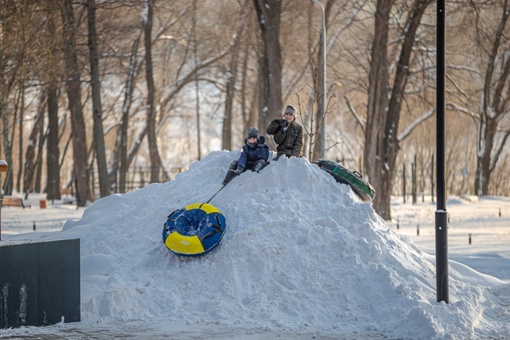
[(28, 225), (138, 177)]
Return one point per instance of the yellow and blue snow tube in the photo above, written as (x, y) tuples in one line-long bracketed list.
[(194, 230)]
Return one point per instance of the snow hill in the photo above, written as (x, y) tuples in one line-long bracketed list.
[(301, 253)]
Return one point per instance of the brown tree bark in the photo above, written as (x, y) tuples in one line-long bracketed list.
[(319, 95), (52, 148), (270, 104), (120, 152), (383, 115), (30, 151), (377, 104), (21, 105), (97, 108), (52, 145), (73, 88), (231, 83), (151, 110), (39, 156), (494, 107)]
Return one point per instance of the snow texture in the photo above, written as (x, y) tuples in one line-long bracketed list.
[(302, 255)]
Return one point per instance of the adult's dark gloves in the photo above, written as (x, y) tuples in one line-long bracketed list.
[(284, 124)]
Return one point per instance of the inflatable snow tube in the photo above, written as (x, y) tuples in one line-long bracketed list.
[(361, 187), (194, 230)]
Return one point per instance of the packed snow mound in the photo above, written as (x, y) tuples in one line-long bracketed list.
[(301, 252)]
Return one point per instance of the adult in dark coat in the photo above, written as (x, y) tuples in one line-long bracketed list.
[(288, 134), (254, 155)]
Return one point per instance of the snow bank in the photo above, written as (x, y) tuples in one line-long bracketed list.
[(301, 253)]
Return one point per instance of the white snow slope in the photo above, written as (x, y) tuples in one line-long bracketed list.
[(301, 253)]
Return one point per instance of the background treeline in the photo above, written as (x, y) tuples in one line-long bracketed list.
[(95, 94)]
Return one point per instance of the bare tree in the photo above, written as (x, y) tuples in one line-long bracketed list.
[(121, 160), (151, 110), (73, 87), (97, 107), (385, 101), (189, 54), (30, 153), (52, 145), (231, 75), (495, 102), (270, 62), (11, 61), (319, 95)]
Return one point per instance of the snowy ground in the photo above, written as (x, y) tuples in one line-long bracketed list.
[(485, 221), (302, 258)]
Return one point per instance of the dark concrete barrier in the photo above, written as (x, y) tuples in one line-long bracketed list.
[(39, 283)]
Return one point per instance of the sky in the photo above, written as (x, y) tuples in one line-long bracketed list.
[(302, 257)]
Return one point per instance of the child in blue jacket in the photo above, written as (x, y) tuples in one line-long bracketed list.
[(254, 155)]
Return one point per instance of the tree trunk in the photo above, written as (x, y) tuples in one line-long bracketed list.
[(7, 186), (231, 83), (122, 135), (30, 154), (80, 167), (377, 107), (21, 103), (38, 162), (270, 106), (8, 136), (97, 109), (52, 148), (319, 91), (137, 142), (483, 158), (494, 107), (151, 110), (52, 145), (248, 107), (383, 117)]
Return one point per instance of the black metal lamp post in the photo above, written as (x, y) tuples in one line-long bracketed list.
[(441, 217)]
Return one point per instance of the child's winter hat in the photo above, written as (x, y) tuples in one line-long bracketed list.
[(252, 132)]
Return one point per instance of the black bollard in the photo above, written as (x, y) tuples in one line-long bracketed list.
[(418, 230), (469, 238)]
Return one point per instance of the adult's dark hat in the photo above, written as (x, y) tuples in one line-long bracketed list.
[(289, 110)]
